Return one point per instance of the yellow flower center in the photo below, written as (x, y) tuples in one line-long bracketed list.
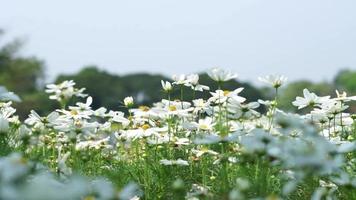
[(204, 127), (172, 108), (145, 126), (74, 112), (144, 108), (226, 92)]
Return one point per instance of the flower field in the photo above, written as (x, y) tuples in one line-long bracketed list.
[(222, 147)]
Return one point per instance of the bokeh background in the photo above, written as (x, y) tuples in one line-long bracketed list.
[(124, 48)]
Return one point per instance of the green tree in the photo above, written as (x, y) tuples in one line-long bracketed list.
[(22, 75), (109, 90), (346, 80)]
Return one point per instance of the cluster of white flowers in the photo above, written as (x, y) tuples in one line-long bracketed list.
[(23, 179), (300, 145), (64, 91)]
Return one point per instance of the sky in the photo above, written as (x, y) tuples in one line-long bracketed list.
[(301, 39)]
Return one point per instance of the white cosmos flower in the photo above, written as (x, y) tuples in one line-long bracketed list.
[(202, 106), (200, 88), (7, 116), (319, 115), (166, 108), (128, 101), (119, 117), (199, 152), (83, 106), (265, 102), (142, 132), (275, 80), (80, 111), (192, 79), (37, 121), (100, 112), (310, 99), (166, 85), (5, 95), (238, 109), (220, 75), (6, 110), (174, 162), (333, 107), (193, 82), (205, 124), (179, 79), (343, 97), (92, 144), (181, 141), (220, 96), (64, 91)]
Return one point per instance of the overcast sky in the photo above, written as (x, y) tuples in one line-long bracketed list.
[(309, 39)]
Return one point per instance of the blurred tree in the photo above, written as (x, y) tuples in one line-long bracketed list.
[(346, 80), (25, 76), (22, 75), (109, 90), (19, 74)]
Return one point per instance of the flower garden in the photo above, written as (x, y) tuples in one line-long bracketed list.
[(222, 147)]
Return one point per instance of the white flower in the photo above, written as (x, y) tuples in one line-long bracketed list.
[(193, 82), (80, 111), (166, 85), (192, 79), (128, 101), (220, 75), (37, 121), (86, 105), (181, 141), (205, 124), (166, 108), (202, 151), (275, 80), (134, 134), (179, 79), (310, 99), (64, 91), (119, 117), (100, 112), (7, 112), (174, 162), (201, 106), (238, 109), (220, 96), (333, 107), (5, 95), (343, 97)]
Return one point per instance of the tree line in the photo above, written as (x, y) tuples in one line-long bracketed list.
[(26, 77)]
